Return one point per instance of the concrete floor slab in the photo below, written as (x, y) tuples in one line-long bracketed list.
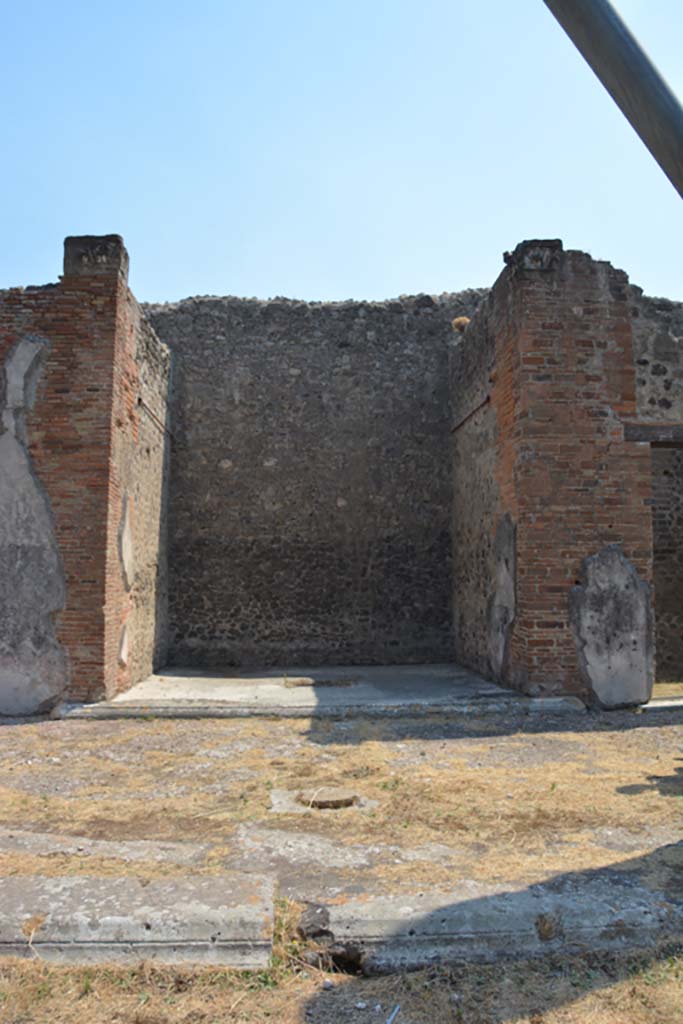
[(306, 687), (344, 691), (226, 919)]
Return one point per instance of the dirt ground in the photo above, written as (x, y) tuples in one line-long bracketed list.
[(488, 799), (597, 990), (492, 799)]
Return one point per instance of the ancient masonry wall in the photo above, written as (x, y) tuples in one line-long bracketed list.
[(60, 399), (667, 493), (345, 482), (137, 634), (559, 387), (485, 382), (658, 352), (311, 490)]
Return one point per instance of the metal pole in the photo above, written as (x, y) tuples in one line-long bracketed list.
[(630, 78)]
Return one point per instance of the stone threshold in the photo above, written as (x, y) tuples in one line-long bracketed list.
[(225, 920), (220, 709), (229, 920)]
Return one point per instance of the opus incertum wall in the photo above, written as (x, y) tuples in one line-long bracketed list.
[(310, 488), (227, 482)]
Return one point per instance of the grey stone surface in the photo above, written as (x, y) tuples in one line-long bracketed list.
[(310, 483), (286, 846), (379, 690), (95, 254), (658, 353), (268, 849), (601, 910), (33, 666), (224, 919), (611, 619), (14, 840), (667, 526)]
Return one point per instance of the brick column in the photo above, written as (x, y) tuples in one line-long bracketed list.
[(564, 384), (71, 433)]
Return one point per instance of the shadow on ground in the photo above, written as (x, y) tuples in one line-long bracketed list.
[(558, 942), (574, 989), (421, 725)]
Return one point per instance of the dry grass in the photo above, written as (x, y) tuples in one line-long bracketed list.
[(508, 805), (668, 688), (595, 990), (525, 804)]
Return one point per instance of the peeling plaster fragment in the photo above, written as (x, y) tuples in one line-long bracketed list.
[(610, 614), (33, 666), (501, 613), (123, 646), (126, 545)]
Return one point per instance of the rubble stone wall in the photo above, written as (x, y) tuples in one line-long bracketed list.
[(310, 497), (667, 519)]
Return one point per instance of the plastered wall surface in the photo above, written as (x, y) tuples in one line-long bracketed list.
[(73, 362), (33, 665), (66, 451), (310, 498)]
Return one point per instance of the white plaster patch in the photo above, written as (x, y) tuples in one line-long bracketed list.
[(33, 667), (18, 391), (123, 646), (126, 554)]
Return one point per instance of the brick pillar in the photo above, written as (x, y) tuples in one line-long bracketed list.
[(563, 386), (83, 469), (73, 449)]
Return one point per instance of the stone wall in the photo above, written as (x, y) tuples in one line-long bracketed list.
[(348, 482), (477, 505), (310, 496), (137, 572), (667, 494), (658, 352)]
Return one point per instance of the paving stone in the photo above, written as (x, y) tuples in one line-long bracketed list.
[(46, 843), (224, 919)]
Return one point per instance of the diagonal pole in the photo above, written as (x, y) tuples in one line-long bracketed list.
[(630, 78)]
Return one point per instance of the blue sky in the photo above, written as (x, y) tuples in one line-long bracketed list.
[(324, 149)]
